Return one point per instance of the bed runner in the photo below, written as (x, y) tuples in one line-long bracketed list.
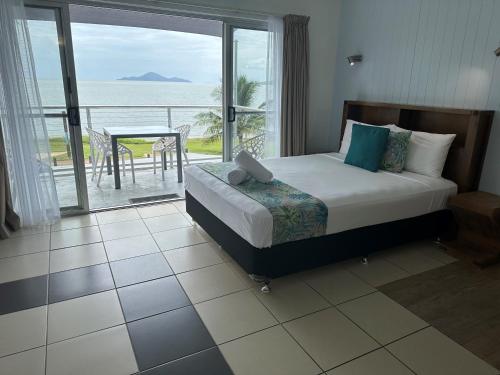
[(296, 215)]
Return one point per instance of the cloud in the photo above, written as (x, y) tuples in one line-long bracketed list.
[(105, 52)]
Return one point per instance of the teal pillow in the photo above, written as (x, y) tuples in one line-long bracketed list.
[(396, 151), (367, 146)]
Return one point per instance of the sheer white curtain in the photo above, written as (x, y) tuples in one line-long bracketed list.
[(273, 88), (34, 195)]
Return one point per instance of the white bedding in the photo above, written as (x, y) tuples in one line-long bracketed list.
[(354, 197)]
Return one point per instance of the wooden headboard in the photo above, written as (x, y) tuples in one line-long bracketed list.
[(472, 127)]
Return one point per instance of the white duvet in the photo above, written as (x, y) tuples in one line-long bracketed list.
[(355, 197)]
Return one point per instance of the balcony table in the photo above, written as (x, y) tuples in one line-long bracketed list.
[(114, 133)]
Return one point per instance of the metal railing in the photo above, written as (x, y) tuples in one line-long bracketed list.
[(98, 117)]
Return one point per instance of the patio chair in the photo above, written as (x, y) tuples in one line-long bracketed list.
[(254, 146), (102, 144), (167, 144)]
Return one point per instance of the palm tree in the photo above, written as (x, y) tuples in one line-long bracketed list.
[(246, 125)]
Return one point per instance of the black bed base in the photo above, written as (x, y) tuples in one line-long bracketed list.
[(290, 257)]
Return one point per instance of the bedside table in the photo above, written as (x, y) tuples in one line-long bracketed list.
[(477, 215)]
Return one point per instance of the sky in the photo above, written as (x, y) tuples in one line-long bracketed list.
[(104, 52)]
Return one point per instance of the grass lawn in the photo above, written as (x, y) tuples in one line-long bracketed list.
[(140, 147)]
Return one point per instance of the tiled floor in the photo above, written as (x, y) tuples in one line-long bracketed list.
[(142, 290)]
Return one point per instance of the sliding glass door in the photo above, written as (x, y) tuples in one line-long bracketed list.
[(49, 39), (247, 96)]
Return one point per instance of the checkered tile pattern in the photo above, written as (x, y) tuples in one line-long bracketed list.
[(143, 291)]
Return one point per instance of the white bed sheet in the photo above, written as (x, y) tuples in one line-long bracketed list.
[(355, 197)]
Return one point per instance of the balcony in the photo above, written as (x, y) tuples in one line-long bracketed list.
[(199, 147)]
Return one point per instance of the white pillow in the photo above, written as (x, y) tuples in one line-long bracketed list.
[(427, 152), (346, 139)]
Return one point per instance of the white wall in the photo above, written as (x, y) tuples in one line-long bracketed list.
[(424, 52)]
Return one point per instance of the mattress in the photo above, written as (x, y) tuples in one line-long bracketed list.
[(355, 197)]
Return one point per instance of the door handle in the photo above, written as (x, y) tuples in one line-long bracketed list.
[(73, 116), (231, 114)]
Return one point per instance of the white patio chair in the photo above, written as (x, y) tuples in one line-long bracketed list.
[(254, 146), (167, 144), (102, 144)]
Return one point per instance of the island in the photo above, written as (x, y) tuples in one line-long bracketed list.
[(151, 76)]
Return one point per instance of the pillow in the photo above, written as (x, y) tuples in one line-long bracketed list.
[(367, 146), (346, 139), (427, 152), (396, 151)]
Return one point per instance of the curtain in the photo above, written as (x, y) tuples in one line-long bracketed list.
[(274, 72), (26, 144), (295, 93), (9, 220)]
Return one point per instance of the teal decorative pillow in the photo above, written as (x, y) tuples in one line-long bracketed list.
[(396, 151), (367, 146)]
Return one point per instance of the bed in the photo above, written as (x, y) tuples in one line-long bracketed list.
[(367, 211)]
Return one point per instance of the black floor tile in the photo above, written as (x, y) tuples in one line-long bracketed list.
[(23, 294), (169, 336), (152, 297), (79, 282), (207, 362), (139, 269)]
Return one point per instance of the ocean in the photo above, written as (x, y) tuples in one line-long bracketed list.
[(132, 93)]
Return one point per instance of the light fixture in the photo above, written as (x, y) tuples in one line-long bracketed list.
[(354, 59), (497, 51)]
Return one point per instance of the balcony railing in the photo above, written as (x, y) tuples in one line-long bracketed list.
[(98, 117)]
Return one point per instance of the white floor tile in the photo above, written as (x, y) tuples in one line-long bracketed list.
[(180, 205), (430, 352), (83, 315), (377, 272), (25, 245), (104, 352), (291, 298), (381, 317), (166, 222), (269, 352), (176, 238), (77, 256), (24, 266), (123, 229), (210, 282), (29, 231), (243, 275), (130, 247), (23, 330), (157, 210), (73, 222), (337, 285), (31, 362), (75, 237), (192, 257), (115, 216), (411, 260), (330, 338), (234, 315), (379, 362)]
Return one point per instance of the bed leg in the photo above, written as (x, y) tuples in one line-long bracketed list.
[(266, 288), (195, 225), (438, 243), (364, 260)]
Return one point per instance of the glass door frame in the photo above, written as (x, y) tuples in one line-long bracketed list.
[(228, 105), (71, 97)]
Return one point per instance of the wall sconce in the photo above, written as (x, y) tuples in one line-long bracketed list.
[(497, 51), (354, 59)]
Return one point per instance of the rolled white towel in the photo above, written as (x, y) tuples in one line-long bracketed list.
[(245, 161), (237, 176)]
